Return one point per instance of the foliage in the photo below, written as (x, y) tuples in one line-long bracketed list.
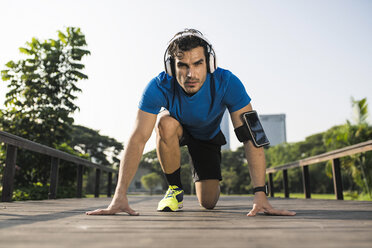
[(150, 160), (186, 178), (238, 182), (39, 107), (230, 180), (290, 152), (356, 169), (38, 191), (40, 101), (41, 97), (101, 149), (150, 181), (360, 111)]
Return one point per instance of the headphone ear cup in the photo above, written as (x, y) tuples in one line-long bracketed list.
[(212, 63), (168, 66)]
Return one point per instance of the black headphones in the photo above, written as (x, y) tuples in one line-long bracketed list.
[(211, 59)]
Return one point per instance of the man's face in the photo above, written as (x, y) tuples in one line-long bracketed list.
[(191, 69)]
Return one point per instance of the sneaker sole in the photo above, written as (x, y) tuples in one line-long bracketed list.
[(168, 209)]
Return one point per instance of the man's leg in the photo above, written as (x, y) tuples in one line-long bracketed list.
[(168, 133), (208, 192)]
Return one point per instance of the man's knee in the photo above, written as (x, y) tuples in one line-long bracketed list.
[(208, 204), (208, 192), (167, 127)]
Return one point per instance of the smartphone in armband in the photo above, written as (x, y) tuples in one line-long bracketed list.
[(255, 128)]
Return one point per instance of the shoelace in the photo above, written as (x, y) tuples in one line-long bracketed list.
[(169, 193)]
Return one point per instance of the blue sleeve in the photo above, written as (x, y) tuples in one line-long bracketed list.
[(152, 99), (236, 96)]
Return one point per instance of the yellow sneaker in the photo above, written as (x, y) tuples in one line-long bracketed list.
[(172, 201)]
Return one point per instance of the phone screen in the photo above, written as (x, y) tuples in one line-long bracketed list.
[(256, 129)]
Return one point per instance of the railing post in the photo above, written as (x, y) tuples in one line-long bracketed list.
[(98, 177), (285, 184), (306, 181), (271, 185), (53, 178), (79, 190), (8, 175), (337, 179), (109, 184)]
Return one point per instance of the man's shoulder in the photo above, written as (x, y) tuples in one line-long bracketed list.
[(163, 80), (222, 75)]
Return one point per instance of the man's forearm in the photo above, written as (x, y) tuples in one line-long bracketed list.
[(256, 164), (129, 165)]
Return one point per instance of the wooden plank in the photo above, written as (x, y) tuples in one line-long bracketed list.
[(271, 185), (306, 181), (39, 148), (97, 184), (109, 184), (79, 190), (337, 179), (285, 184), (343, 152), (346, 151), (62, 223), (53, 178), (8, 174), (283, 167)]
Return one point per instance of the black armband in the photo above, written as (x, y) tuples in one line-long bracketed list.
[(242, 133), (251, 130)]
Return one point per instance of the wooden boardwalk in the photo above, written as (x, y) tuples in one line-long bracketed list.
[(62, 223)]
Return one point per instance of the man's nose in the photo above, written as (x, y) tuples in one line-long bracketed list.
[(190, 72)]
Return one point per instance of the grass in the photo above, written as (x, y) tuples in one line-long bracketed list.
[(347, 196), (92, 195)]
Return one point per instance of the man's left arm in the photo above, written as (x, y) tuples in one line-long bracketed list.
[(257, 170)]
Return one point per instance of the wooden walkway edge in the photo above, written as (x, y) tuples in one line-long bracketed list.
[(62, 223)]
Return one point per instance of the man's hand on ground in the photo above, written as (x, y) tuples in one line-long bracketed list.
[(118, 204), (261, 204)]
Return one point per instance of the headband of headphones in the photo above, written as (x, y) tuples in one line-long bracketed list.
[(210, 53)]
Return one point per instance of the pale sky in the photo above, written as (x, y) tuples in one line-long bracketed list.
[(301, 58)]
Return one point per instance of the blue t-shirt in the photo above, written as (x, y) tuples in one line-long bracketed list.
[(201, 113)]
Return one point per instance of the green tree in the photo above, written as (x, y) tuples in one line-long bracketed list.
[(360, 111), (357, 175), (230, 180), (186, 178), (357, 166), (290, 152), (235, 161), (150, 181), (150, 160), (99, 148), (40, 101)]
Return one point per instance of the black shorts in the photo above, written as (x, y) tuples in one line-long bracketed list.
[(205, 155)]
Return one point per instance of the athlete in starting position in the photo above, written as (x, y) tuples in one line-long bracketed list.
[(193, 94)]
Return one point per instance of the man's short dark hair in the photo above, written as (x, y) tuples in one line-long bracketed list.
[(186, 43)]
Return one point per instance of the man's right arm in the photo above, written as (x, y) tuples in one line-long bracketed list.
[(143, 128)]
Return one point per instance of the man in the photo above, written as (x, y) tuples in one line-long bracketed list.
[(194, 94)]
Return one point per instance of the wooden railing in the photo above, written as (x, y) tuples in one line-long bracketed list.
[(14, 142), (304, 164)]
